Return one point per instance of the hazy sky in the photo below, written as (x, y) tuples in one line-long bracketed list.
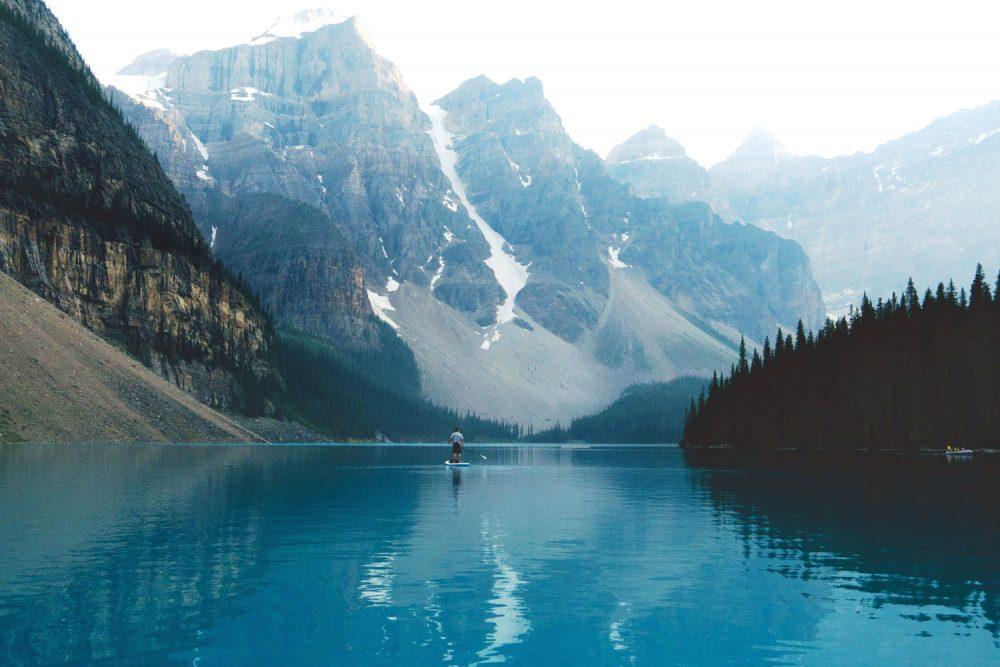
[(826, 78)]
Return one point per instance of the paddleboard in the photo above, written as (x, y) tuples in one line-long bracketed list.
[(456, 465)]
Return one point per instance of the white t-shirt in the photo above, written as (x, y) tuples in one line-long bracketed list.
[(457, 437)]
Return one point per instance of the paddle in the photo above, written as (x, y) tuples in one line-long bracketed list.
[(477, 454)]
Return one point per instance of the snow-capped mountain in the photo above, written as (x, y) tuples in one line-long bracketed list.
[(299, 24), (528, 283)]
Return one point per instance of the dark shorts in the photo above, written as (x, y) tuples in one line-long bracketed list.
[(456, 448)]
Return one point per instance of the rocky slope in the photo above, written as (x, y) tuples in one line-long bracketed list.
[(528, 283), (924, 205), (89, 221)]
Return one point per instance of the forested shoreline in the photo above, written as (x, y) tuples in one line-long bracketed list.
[(651, 413), (911, 372)]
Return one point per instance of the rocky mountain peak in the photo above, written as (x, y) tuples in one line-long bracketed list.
[(518, 107), (760, 144), (150, 64), (301, 23), (649, 144)]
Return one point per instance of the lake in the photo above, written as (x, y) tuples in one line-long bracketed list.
[(337, 555)]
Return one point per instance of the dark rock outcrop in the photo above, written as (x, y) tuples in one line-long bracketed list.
[(300, 264)]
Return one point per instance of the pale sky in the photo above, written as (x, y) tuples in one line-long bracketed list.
[(827, 78)]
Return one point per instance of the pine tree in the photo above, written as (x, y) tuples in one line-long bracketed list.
[(742, 367), (800, 336), (912, 297), (979, 293)]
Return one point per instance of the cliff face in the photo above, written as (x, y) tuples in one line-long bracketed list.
[(89, 221), (291, 256)]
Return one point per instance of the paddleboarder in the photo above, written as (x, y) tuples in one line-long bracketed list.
[(457, 441)]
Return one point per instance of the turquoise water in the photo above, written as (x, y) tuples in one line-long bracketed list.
[(379, 555)]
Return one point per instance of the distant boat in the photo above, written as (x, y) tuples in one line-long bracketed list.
[(957, 452)]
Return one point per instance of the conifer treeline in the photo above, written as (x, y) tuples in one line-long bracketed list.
[(363, 396), (908, 373), (644, 414)]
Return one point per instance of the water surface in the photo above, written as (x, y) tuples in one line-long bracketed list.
[(600, 555)]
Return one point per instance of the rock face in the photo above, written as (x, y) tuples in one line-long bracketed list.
[(290, 255), (317, 118), (89, 221), (869, 220), (655, 165)]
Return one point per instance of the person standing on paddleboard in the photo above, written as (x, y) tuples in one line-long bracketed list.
[(457, 441)]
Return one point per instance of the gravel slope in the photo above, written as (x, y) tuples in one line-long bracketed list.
[(61, 383)]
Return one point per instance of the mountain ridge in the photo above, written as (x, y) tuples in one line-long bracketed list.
[(580, 309), (866, 217)]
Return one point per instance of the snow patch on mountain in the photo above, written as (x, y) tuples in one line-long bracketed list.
[(616, 262), (200, 146), (299, 24), (878, 179), (381, 305), (511, 274), (652, 158), (437, 274), (525, 179), (246, 94), (985, 135), (146, 89), (579, 191)]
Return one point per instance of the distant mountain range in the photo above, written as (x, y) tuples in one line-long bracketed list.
[(925, 205), (528, 282)]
